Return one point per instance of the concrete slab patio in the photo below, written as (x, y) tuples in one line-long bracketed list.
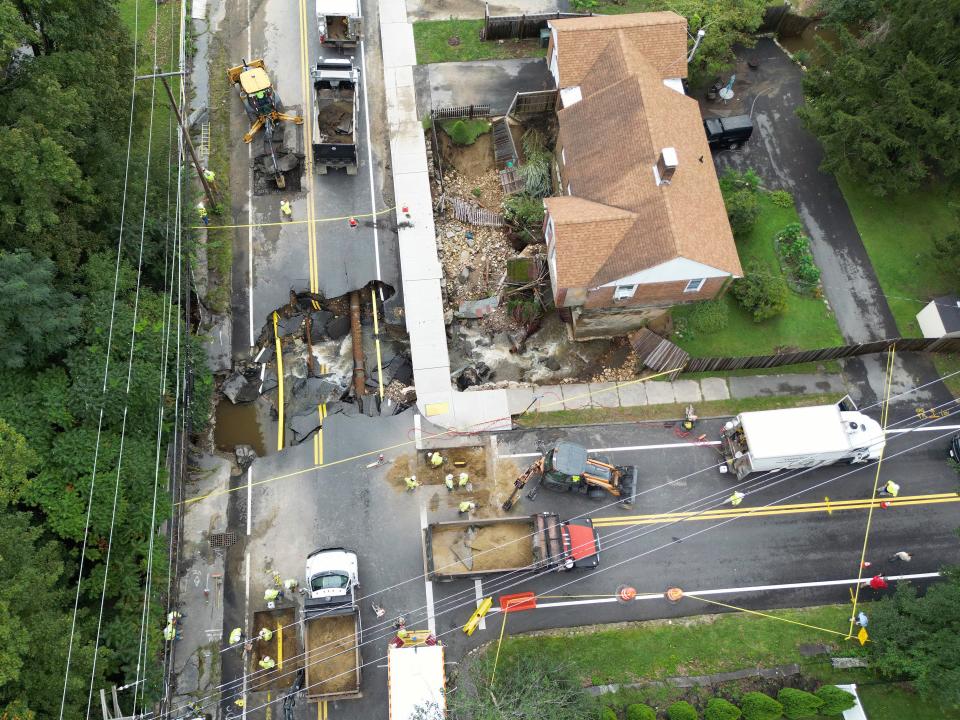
[(490, 82)]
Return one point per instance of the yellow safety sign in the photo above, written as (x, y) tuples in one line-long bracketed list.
[(862, 636), (482, 609)]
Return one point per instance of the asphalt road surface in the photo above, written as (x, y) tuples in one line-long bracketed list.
[(811, 535)]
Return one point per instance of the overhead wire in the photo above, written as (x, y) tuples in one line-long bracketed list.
[(129, 381), (106, 372), (607, 536), (652, 550)]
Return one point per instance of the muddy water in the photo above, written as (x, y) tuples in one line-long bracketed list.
[(807, 41), (238, 425)]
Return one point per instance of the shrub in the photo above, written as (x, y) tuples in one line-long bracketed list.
[(760, 293), (466, 132), (781, 198), (477, 192), (524, 212), (794, 248), (720, 709), (740, 196), (681, 710), (835, 700), (757, 706), (710, 316), (606, 713), (799, 704), (641, 712)]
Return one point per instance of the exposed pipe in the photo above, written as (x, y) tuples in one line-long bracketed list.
[(359, 378)]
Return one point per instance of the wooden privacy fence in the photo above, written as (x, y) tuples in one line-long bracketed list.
[(753, 362), (505, 27), (460, 111)]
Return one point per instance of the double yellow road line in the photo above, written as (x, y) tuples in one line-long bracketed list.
[(827, 506)]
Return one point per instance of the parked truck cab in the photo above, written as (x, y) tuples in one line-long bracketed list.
[(728, 132)]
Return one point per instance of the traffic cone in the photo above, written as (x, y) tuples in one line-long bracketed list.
[(865, 564), (884, 504), (353, 222), (406, 210)]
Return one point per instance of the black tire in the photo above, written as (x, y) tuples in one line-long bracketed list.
[(596, 493), (554, 485)]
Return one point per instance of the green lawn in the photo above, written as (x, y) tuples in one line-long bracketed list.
[(806, 324), (693, 646), (898, 701), (897, 232), (432, 40), (708, 408)]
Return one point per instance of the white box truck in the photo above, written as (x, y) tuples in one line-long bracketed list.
[(416, 680), (795, 438), (339, 22), (331, 626)]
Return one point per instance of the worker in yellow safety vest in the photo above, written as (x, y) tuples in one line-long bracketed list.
[(272, 594), (448, 481), (463, 480), (466, 506), (285, 210), (265, 634), (891, 489), (169, 632), (267, 663), (736, 498), (436, 459), (235, 636), (411, 482)]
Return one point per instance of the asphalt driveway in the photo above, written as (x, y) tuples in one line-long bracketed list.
[(786, 156)]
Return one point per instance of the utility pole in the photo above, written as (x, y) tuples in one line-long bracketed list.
[(183, 129)]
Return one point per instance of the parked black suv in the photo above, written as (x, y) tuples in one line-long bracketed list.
[(954, 450), (728, 132)]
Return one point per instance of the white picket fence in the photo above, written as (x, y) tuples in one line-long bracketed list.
[(474, 215)]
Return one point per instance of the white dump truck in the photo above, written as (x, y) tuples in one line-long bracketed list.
[(331, 626), (339, 22), (795, 438), (415, 676)]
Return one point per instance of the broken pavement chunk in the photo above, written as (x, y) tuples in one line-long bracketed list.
[(237, 389), (303, 425), (309, 393), (474, 309)]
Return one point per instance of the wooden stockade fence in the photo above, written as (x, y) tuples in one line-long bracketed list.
[(533, 103), (753, 362), (504, 149), (473, 214), (505, 27), (656, 353), (461, 111)]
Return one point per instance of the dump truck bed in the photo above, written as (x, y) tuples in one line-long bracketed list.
[(473, 548), (335, 87), (332, 656)]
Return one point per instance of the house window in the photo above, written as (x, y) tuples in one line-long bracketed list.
[(694, 285), (622, 292), (548, 231)]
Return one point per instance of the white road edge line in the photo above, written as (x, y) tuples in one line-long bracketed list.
[(627, 448), (250, 497), (250, 210), (366, 122), (932, 428), (246, 625), (427, 584), (727, 591), (478, 591)]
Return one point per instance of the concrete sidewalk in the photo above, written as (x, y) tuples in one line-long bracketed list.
[(635, 393)]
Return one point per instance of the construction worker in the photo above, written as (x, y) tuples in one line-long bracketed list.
[(286, 211), (463, 480), (877, 582), (575, 479), (862, 619), (891, 489), (169, 632), (411, 482), (173, 617), (436, 459), (240, 702), (466, 506), (265, 634), (290, 584), (267, 663), (202, 212), (448, 481), (736, 498), (272, 594), (235, 636)]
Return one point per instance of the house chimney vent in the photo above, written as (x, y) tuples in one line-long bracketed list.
[(666, 165)]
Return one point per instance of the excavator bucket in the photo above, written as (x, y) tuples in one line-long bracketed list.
[(628, 487)]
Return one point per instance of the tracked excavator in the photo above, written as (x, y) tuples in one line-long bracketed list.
[(565, 467), (265, 110)]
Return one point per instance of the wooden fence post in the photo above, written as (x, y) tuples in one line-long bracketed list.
[(523, 22)]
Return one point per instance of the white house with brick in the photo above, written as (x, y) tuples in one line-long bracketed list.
[(640, 225)]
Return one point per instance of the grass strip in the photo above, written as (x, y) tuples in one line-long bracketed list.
[(432, 39)]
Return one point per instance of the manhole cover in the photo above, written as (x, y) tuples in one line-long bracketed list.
[(453, 41), (222, 540)]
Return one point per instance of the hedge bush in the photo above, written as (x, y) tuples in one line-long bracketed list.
[(835, 700), (681, 710), (740, 195), (710, 316), (757, 706), (466, 132), (798, 704), (794, 248), (760, 293), (641, 712), (720, 709), (606, 713), (781, 198)]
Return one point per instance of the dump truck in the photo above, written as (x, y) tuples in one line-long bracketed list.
[(566, 467), (331, 625), (459, 548), (335, 89), (794, 438), (416, 678), (339, 22)]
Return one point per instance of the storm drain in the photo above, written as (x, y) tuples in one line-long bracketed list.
[(222, 540)]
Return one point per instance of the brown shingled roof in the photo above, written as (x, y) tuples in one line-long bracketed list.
[(612, 140), (660, 36)]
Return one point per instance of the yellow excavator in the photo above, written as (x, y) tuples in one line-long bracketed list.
[(262, 105)]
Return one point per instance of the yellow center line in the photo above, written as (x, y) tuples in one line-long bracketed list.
[(722, 513), (276, 338)]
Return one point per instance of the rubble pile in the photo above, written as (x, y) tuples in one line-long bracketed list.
[(484, 190), (474, 260)]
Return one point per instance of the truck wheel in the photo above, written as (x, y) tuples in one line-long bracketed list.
[(596, 493)]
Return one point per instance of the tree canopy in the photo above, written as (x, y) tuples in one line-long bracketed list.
[(886, 105)]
